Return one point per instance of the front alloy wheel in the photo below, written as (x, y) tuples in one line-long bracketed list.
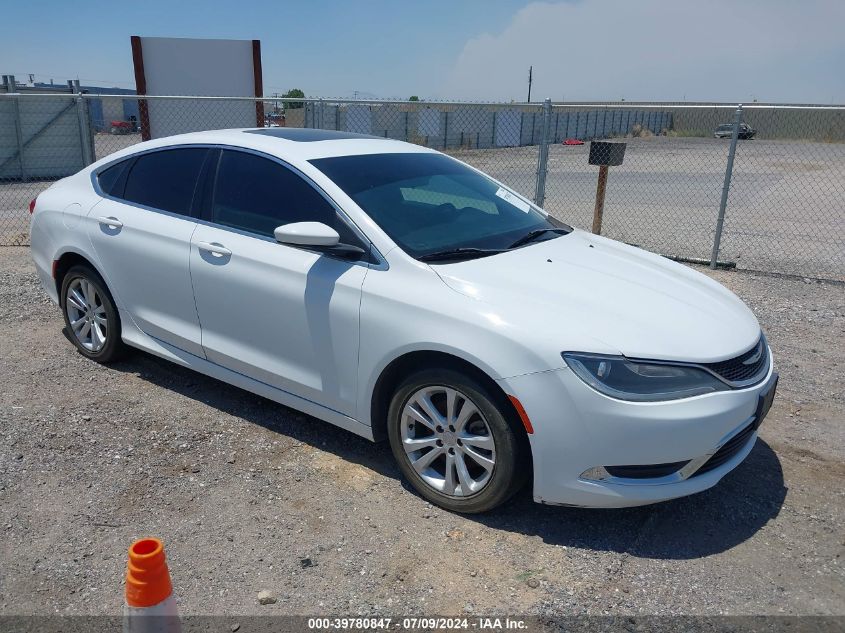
[(457, 440), (448, 441)]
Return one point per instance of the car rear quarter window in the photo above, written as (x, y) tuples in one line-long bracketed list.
[(257, 195), (165, 180), (113, 179)]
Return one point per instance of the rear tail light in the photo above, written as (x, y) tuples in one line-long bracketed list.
[(32, 205)]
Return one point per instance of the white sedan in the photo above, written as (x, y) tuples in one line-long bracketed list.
[(403, 295)]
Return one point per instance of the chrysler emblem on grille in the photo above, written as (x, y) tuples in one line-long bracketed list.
[(755, 356)]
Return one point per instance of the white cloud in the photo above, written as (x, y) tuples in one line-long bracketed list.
[(772, 50)]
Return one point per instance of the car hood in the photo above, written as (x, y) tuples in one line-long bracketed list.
[(594, 294)]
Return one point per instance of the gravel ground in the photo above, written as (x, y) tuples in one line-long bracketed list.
[(250, 496)]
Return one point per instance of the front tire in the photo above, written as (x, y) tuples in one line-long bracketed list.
[(455, 440), (91, 318)]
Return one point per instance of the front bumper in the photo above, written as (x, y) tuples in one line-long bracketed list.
[(577, 429)]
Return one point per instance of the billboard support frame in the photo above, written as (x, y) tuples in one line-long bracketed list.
[(142, 86)]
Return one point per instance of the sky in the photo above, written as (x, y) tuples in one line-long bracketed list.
[(580, 50)]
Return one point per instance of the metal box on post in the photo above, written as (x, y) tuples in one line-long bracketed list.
[(604, 153)]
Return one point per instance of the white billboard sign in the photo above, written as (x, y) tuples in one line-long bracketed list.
[(197, 67)]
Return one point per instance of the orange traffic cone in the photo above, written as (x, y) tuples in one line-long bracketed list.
[(148, 590)]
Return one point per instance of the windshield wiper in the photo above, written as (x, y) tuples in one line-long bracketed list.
[(533, 235), (459, 253)]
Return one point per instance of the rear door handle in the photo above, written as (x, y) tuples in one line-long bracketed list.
[(216, 249), (111, 222)]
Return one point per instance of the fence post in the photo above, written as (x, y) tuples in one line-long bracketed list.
[(720, 222), (85, 136), (16, 112), (85, 131), (543, 155)]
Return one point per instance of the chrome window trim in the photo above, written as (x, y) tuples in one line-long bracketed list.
[(381, 261)]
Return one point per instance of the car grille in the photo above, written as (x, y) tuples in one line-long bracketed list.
[(747, 368), (728, 450)]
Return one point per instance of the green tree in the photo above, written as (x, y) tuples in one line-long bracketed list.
[(414, 98), (292, 94)]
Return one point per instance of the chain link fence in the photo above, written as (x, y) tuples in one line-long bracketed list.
[(764, 185)]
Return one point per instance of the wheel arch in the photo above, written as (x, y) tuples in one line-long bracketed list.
[(63, 262), (409, 362), (67, 259)]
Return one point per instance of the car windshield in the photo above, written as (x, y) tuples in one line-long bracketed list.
[(433, 206)]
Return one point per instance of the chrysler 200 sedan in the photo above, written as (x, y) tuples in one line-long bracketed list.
[(404, 295)]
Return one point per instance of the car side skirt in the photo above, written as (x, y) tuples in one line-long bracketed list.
[(136, 338)]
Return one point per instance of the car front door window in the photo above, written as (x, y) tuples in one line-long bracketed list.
[(256, 195)]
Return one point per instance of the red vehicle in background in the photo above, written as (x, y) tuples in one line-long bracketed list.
[(123, 127), (572, 141)]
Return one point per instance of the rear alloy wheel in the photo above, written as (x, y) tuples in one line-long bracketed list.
[(452, 440), (90, 315)]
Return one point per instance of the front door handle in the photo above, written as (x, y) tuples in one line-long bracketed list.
[(111, 222), (215, 249)]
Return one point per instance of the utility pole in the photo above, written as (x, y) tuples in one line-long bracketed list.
[(530, 73)]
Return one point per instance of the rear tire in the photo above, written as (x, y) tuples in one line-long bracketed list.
[(456, 441), (91, 317)]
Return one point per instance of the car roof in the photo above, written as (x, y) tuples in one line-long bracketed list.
[(294, 145), (306, 134)]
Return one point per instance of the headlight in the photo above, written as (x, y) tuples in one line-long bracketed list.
[(624, 379)]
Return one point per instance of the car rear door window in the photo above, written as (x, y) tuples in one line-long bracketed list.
[(256, 194), (165, 180)]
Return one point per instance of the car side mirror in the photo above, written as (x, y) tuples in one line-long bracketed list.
[(319, 236), (307, 234)]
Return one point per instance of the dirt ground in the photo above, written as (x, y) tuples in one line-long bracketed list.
[(249, 496)]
